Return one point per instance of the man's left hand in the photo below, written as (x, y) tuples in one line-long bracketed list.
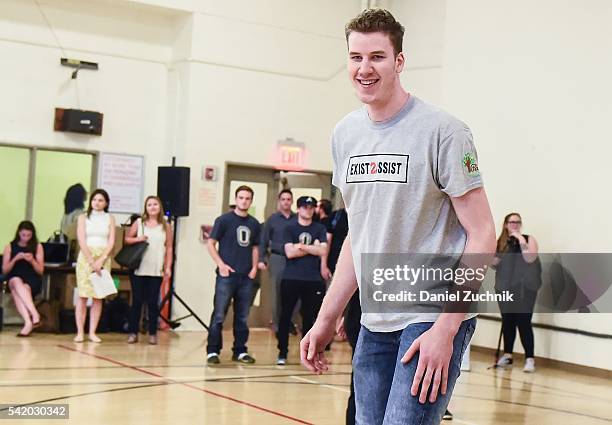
[(435, 349)]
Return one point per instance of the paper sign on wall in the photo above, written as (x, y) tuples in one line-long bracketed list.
[(122, 176)]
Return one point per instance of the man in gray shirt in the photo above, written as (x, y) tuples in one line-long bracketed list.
[(272, 239), (409, 176)]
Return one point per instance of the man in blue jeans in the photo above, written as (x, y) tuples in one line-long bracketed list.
[(409, 177), (238, 236)]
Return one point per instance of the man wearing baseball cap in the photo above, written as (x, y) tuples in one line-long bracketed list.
[(305, 243)]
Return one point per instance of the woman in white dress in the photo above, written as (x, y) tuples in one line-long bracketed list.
[(96, 236)]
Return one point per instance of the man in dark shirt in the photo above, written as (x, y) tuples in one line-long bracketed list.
[(337, 230), (323, 216), (349, 326), (305, 244), (272, 237), (238, 235)]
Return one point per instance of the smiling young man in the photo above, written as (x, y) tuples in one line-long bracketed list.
[(237, 234), (401, 167)]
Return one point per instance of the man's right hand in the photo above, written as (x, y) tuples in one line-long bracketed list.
[(340, 330), (262, 266), (225, 270), (312, 346)]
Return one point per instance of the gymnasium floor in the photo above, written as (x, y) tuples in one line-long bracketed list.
[(116, 383)]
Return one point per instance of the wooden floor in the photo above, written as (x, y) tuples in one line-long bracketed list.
[(116, 383)]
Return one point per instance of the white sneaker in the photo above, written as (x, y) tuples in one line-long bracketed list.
[(505, 361), (529, 365), (281, 361)]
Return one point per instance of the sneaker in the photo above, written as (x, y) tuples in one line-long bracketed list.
[(212, 358), (132, 339), (529, 365), (505, 361), (243, 358), (448, 416), (153, 339), (281, 361)]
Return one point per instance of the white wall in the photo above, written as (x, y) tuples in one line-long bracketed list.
[(532, 81), (130, 87)]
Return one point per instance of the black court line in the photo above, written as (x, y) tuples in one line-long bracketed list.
[(532, 391), (70, 396), (283, 375), (293, 383), (548, 387), (534, 406), (454, 395), (199, 365), (219, 379)]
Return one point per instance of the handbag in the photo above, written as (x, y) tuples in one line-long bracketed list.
[(130, 256)]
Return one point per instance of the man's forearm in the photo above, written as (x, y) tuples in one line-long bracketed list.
[(317, 250), (343, 286), (212, 250), (478, 254), (255, 256)]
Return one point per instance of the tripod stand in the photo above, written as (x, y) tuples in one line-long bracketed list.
[(172, 293), (494, 365)]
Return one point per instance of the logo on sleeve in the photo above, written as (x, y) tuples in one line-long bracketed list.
[(305, 238), (391, 168), (243, 235), (470, 164)]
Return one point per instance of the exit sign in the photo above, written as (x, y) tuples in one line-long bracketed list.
[(290, 155)]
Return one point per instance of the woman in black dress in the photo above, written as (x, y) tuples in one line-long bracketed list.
[(23, 263), (518, 269)]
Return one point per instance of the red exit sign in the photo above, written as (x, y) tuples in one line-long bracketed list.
[(290, 155)]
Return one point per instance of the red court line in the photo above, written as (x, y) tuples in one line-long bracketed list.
[(148, 372)]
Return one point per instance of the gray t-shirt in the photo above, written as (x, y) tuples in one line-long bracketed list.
[(397, 178)]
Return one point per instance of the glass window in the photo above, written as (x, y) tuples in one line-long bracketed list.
[(55, 173)]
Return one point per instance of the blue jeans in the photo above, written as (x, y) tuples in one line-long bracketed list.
[(240, 289), (382, 382)]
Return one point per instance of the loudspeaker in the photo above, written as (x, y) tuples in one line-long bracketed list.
[(78, 121), (173, 189)]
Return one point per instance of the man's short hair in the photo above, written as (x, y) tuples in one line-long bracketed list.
[(285, 191), (245, 188), (377, 20)]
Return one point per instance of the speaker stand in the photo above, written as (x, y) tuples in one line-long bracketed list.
[(172, 293)]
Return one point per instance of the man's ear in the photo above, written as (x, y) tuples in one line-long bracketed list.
[(399, 62)]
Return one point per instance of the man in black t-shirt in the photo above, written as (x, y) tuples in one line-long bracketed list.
[(238, 235), (323, 215), (305, 244), (337, 230)]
